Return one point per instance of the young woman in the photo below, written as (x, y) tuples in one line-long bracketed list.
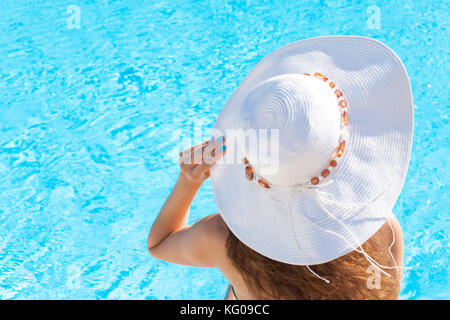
[(315, 222)]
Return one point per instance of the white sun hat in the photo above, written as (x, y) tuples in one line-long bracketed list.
[(301, 195)]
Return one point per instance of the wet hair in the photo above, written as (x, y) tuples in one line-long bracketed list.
[(351, 276)]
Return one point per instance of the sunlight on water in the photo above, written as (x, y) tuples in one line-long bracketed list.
[(91, 118)]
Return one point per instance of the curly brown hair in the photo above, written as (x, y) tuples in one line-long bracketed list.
[(269, 279)]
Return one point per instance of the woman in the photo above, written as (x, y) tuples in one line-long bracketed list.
[(311, 218)]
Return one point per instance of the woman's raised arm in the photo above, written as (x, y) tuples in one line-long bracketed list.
[(166, 235)]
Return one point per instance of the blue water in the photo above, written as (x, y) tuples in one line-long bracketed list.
[(91, 120)]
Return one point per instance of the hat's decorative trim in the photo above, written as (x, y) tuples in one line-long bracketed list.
[(342, 105)]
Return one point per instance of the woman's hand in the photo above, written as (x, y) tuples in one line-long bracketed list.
[(196, 161)]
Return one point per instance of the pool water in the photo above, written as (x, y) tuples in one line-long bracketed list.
[(92, 118)]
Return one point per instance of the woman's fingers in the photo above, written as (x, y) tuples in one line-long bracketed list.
[(214, 151), (211, 154), (189, 150), (193, 155), (196, 161)]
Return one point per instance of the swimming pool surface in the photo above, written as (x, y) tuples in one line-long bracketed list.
[(91, 120)]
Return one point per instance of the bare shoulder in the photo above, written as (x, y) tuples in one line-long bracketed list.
[(391, 234), (201, 244), (215, 228), (395, 233), (211, 240)]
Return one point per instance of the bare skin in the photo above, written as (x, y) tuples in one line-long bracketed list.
[(203, 243)]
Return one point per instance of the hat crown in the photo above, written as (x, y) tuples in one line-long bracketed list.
[(304, 113)]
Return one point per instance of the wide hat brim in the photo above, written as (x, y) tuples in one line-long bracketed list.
[(372, 170)]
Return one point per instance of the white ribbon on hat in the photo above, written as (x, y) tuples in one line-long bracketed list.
[(328, 198)]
